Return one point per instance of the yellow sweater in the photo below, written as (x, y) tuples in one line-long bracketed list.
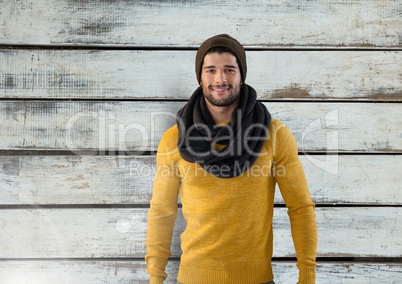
[(228, 238)]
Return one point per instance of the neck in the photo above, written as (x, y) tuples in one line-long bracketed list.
[(221, 114)]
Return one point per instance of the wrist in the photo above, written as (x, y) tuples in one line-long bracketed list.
[(156, 280)]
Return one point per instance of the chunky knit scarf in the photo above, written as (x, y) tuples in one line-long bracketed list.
[(242, 138)]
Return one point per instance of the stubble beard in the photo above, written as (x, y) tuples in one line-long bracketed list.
[(229, 100)]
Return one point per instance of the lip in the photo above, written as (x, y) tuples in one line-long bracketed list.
[(220, 89)]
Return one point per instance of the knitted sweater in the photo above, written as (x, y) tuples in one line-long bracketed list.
[(229, 236)]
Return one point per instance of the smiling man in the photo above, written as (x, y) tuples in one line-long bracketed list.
[(223, 158), (221, 79)]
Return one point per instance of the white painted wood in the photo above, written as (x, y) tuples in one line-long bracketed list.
[(355, 179), (368, 23), (84, 233), (124, 74), (53, 180), (76, 179), (106, 233), (138, 126), (125, 272)]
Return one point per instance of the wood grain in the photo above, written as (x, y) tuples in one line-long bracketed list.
[(127, 271), (138, 126), (73, 180), (161, 74), (330, 70), (260, 23), (110, 233)]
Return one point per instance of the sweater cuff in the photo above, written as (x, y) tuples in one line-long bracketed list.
[(306, 274), (156, 280)]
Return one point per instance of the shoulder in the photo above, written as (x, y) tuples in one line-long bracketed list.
[(279, 130), (169, 140), (281, 139), (171, 133)]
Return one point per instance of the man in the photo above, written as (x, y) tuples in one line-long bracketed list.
[(224, 157)]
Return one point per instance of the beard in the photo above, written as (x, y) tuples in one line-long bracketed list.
[(221, 102)]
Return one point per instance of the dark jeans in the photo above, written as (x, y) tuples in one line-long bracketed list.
[(272, 282)]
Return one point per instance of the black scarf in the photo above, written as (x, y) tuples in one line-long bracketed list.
[(243, 136)]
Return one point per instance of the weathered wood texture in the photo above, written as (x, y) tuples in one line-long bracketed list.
[(361, 23), (120, 60), (97, 74), (128, 272), (105, 233), (62, 180), (138, 126)]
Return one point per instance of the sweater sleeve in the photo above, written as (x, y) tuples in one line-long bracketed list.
[(162, 213), (292, 182)]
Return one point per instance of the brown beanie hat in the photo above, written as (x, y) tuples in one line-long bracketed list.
[(226, 41)]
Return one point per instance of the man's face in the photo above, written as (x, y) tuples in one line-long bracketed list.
[(220, 79)]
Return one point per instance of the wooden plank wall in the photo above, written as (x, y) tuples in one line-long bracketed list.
[(88, 87)]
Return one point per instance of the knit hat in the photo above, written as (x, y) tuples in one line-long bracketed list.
[(226, 41)]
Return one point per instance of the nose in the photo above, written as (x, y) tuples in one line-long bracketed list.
[(220, 77)]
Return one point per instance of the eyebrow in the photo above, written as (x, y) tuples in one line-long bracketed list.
[(213, 66)]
